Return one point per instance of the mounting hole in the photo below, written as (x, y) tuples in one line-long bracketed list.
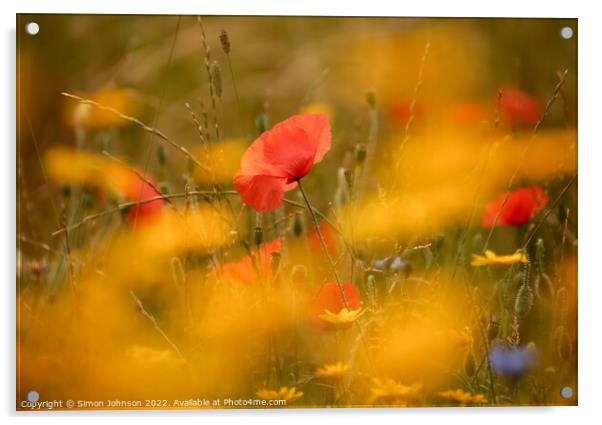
[(566, 392), (566, 33), (32, 28), (33, 396)]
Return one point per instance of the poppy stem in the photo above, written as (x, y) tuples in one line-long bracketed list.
[(314, 220)]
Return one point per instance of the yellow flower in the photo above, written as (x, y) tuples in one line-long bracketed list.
[(491, 259), (84, 115), (463, 397), (332, 371), (343, 319), (317, 108), (388, 391), (290, 395)]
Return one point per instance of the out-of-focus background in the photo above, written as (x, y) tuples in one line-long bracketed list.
[(155, 64)]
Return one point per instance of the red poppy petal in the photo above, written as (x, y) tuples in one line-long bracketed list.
[(317, 128), (289, 148), (136, 190), (296, 143), (255, 162), (264, 193), (521, 205)]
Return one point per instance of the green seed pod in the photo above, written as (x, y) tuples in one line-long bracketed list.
[(164, 188), (261, 122), (298, 224), (275, 263), (493, 328), (258, 235), (470, 364), (561, 212), (348, 178), (360, 153), (161, 155)]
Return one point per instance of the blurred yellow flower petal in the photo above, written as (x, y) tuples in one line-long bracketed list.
[(388, 391), (463, 397), (333, 371), (222, 160), (318, 108), (492, 259), (343, 319), (290, 395), (84, 115)]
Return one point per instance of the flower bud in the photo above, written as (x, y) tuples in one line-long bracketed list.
[(275, 263), (261, 122), (258, 235), (164, 188), (360, 153), (470, 364), (298, 224), (493, 328), (161, 155)]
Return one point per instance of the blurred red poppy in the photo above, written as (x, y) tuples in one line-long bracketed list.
[(129, 187), (244, 271), (136, 190), (518, 109), (328, 297), (521, 206), (279, 157)]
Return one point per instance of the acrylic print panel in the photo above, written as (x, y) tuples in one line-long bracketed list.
[(271, 212)]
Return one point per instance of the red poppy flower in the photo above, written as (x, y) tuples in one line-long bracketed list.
[(521, 206), (279, 157), (328, 297), (135, 190), (518, 109), (243, 270), (131, 188)]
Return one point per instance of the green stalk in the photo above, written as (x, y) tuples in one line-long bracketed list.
[(314, 220)]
